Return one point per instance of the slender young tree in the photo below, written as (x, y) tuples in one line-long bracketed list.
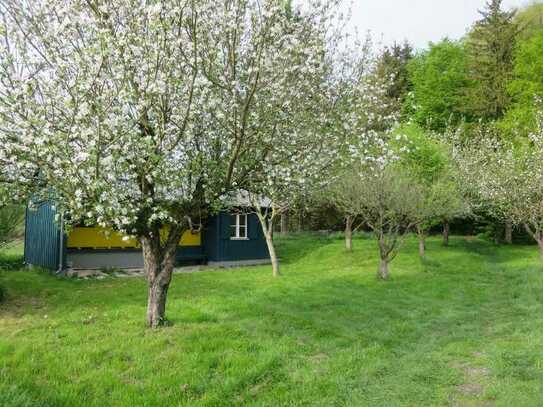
[(518, 168), (490, 169), (428, 160), (389, 203), (365, 119)]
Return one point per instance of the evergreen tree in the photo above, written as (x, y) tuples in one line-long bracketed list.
[(392, 65), (490, 47)]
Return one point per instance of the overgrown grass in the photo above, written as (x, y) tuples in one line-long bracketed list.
[(464, 327)]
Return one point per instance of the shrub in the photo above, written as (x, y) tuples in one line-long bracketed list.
[(11, 218)]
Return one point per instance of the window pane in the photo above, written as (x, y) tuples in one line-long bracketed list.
[(243, 220), (243, 231)]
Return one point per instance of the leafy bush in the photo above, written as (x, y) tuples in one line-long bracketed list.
[(11, 219)]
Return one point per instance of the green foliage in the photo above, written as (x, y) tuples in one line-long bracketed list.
[(469, 317), (426, 157), (526, 86), (428, 160), (439, 80), (11, 217), (490, 49), (530, 20)]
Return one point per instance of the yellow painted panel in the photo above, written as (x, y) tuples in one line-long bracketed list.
[(101, 238), (191, 239)]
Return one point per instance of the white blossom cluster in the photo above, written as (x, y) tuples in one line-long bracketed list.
[(132, 112)]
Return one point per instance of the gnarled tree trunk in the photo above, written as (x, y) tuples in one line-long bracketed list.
[(537, 236), (508, 232), (159, 262), (446, 232), (422, 241), (349, 233), (382, 272)]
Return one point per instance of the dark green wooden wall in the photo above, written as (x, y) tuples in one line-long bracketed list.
[(219, 246)]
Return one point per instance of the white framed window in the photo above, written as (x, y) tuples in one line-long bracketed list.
[(238, 228)]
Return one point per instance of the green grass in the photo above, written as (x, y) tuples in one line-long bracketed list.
[(465, 327)]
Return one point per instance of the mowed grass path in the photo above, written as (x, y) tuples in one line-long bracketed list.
[(463, 328)]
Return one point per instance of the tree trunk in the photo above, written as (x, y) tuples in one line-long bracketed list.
[(422, 241), (446, 231), (537, 235), (284, 223), (267, 222), (508, 232), (349, 233), (273, 256), (159, 262), (156, 303), (383, 270), (540, 244)]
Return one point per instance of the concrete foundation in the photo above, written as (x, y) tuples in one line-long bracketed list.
[(96, 260), (238, 263), (133, 259)]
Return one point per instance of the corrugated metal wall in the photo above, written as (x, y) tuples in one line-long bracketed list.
[(42, 237)]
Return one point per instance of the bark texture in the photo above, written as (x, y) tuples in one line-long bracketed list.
[(508, 232), (273, 255), (349, 233), (266, 222), (537, 235), (422, 242), (159, 262), (383, 273), (446, 232)]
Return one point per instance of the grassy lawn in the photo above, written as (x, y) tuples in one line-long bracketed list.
[(463, 328)]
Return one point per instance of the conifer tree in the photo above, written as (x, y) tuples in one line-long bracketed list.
[(392, 66), (490, 48)]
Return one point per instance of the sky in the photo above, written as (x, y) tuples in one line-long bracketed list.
[(418, 21)]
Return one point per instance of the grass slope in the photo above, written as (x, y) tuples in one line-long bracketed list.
[(463, 328)]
